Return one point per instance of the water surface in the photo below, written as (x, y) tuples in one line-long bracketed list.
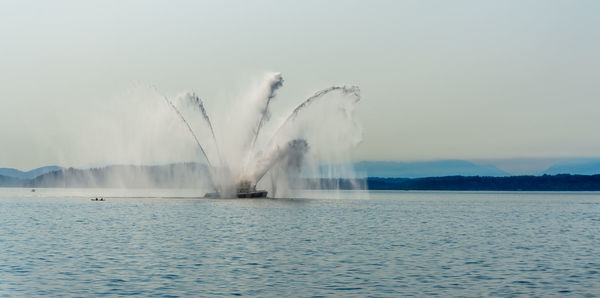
[(166, 243)]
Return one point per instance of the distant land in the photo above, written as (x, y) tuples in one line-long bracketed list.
[(560, 182), (492, 168), (182, 175), (435, 168), (564, 174), (14, 173), (422, 169), (582, 166)]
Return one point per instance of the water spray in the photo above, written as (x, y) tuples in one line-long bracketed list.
[(288, 156), (353, 90), (195, 138)]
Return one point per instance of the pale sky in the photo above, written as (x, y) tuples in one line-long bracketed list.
[(439, 79)]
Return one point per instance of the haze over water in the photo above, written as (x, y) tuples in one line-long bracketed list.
[(58, 242)]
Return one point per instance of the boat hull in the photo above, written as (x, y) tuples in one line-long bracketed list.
[(253, 194), (241, 194)]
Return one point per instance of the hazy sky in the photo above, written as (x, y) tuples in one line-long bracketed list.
[(439, 79)]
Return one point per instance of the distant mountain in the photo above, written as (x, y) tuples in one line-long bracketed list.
[(14, 173), (426, 169), (126, 176), (519, 166), (581, 166), (6, 181)]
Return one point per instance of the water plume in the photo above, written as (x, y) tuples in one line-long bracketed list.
[(189, 101), (274, 82), (319, 131), (189, 127), (198, 103), (291, 155), (353, 90)]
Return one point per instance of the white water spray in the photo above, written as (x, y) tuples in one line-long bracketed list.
[(318, 132)]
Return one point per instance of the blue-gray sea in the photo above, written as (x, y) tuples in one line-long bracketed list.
[(56, 242)]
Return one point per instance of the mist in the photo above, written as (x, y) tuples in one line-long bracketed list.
[(244, 142)]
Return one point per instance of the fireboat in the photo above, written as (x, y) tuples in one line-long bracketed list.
[(244, 190)]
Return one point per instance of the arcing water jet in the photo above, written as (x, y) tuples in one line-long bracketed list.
[(318, 131)]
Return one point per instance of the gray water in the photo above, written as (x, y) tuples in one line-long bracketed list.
[(59, 243)]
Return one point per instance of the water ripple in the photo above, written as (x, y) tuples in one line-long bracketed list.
[(395, 244)]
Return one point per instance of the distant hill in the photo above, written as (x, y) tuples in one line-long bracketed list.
[(426, 169), (563, 182), (6, 181), (581, 166), (126, 176), (580, 174), (192, 175), (14, 173)]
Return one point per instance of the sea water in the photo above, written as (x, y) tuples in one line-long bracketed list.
[(57, 242)]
